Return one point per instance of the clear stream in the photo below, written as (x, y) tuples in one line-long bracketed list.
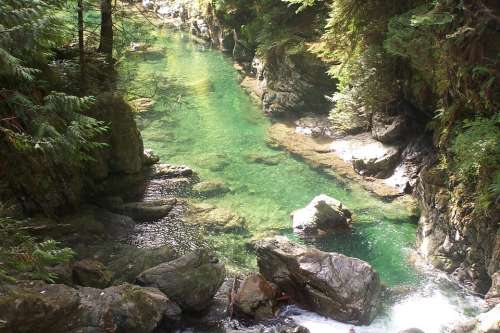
[(204, 119)]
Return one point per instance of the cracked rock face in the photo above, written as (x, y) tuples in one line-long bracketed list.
[(331, 284)]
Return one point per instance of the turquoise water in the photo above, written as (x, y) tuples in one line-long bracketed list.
[(204, 119)]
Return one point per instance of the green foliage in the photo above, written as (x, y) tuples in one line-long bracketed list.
[(476, 150), (31, 116), (22, 256)]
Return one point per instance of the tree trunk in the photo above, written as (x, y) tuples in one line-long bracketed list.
[(106, 42), (81, 48)]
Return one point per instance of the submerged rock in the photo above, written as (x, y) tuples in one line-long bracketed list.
[(256, 298), (211, 188), (215, 219), (343, 288), (57, 308), (264, 159), (91, 273), (322, 213), (191, 280)]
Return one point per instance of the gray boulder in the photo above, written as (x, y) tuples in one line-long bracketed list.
[(58, 308), (334, 285), (322, 213), (191, 280)]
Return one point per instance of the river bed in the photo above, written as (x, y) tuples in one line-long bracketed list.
[(202, 118)]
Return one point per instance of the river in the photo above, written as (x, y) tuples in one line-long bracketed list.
[(204, 119)]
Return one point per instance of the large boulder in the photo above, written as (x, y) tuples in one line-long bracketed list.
[(191, 280), (323, 213), (40, 307), (256, 298), (343, 288)]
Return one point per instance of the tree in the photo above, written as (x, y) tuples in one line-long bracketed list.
[(81, 47), (106, 41)]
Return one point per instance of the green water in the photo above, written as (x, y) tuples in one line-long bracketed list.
[(203, 118)]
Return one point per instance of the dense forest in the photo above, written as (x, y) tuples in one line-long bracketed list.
[(250, 165)]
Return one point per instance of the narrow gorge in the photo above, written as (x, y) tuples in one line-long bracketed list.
[(254, 166)]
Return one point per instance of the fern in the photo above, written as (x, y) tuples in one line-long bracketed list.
[(22, 256)]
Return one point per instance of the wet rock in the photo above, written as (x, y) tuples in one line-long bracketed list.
[(493, 295), (412, 330), (191, 280), (256, 298), (314, 125), (264, 159), (322, 213), (91, 273), (211, 188), (343, 288), (58, 308), (150, 157), (215, 219), (147, 210), (488, 322), (286, 326), (171, 171)]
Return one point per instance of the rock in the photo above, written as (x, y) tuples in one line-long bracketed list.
[(265, 159), (147, 210), (392, 125), (256, 298), (150, 157), (322, 213), (191, 281), (368, 156), (493, 295), (314, 125), (171, 171), (126, 308), (488, 322), (58, 308), (215, 219), (412, 330), (211, 188), (37, 307), (331, 284), (125, 152), (91, 273)]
